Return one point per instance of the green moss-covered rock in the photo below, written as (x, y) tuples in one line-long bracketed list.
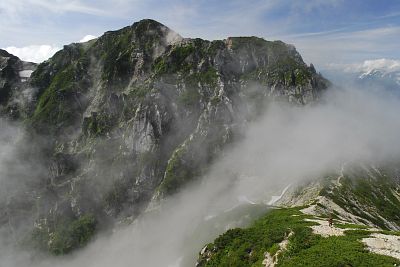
[(67, 235), (177, 171)]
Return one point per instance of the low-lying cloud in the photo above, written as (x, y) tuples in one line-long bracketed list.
[(287, 145), (40, 53), (33, 53), (384, 65)]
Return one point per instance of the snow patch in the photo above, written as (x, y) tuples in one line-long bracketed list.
[(25, 73), (383, 65), (275, 199)]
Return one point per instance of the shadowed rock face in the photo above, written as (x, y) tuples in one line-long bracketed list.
[(14, 92), (134, 115)]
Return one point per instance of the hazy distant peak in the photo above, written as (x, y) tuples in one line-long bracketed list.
[(383, 65)]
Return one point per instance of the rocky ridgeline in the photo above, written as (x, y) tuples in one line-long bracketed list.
[(362, 203), (361, 195), (135, 114)]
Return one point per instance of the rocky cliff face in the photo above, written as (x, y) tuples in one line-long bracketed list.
[(137, 113), (15, 95)]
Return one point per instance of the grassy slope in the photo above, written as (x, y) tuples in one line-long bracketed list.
[(246, 247)]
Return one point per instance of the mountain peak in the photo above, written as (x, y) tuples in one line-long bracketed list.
[(149, 27), (4, 53), (148, 22)]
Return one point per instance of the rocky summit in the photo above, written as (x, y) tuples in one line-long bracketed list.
[(122, 121)]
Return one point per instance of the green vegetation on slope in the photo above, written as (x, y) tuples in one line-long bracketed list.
[(50, 108), (61, 81), (116, 49), (177, 171), (175, 60), (66, 235), (247, 247), (333, 251)]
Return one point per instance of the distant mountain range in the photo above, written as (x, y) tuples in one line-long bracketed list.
[(375, 74), (381, 78)]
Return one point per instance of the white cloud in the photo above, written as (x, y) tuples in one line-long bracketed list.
[(33, 53), (61, 6), (312, 5), (87, 38), (383, 65), (40, 53)]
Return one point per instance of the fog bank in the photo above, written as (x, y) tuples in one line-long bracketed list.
[(286, 145)]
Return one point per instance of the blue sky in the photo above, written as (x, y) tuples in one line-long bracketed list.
[(326, 32)]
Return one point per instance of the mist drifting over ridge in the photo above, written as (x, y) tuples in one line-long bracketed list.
[(286, 145), (180, 134), (133, 116)]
